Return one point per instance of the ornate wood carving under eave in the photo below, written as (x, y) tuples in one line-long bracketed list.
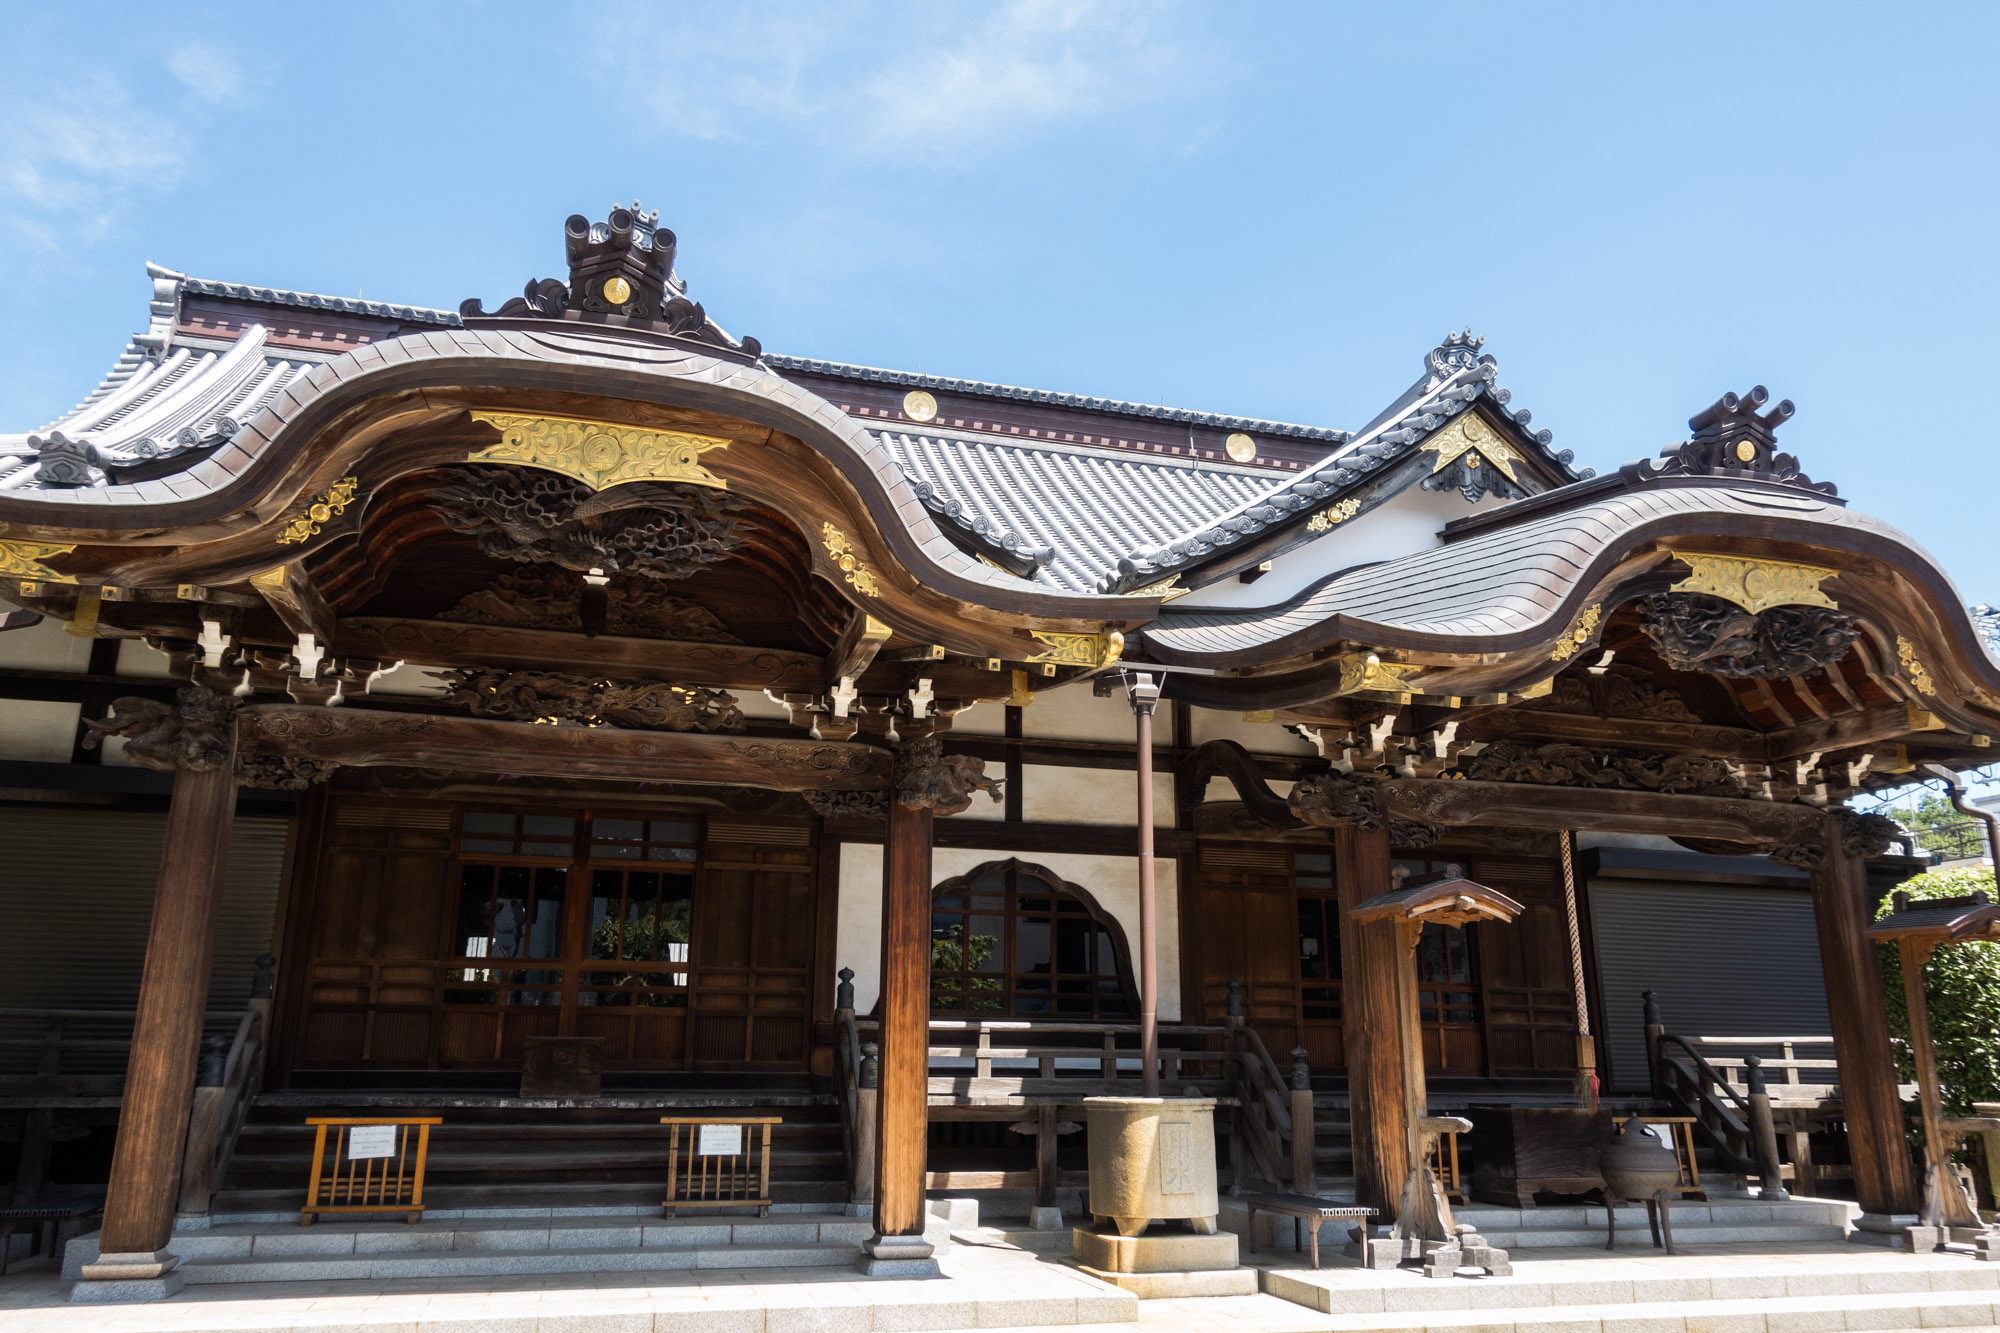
[(599, 453), (447, 643), (1450, 802), (660, 530), (1697, 632), (929, 779), (357, 737), (848, 804), (1561, 764), (1326, 800), (551, 698), (192, 732), (1857, 834)]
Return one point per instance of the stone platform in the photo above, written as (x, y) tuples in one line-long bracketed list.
[(1164, 1264)]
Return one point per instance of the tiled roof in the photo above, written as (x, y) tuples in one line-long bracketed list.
[(1046, 397), (1504, 586), (1455, 379), (152, 407), (345, 305), (1070, 512)]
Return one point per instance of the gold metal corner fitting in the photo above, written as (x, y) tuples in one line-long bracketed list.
[(1579, 634), (1367, 671), (848, 561), (1468, 433), (25, 560), (1095, 651)]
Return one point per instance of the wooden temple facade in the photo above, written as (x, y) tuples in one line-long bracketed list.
[(626, 687)]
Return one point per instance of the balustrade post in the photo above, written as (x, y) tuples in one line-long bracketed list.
[(843, 994), (1655, 1029), (861, 1184), (1305, 1135), (1764, 1131)]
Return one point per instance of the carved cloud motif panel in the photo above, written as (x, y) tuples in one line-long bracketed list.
[(657, 530)]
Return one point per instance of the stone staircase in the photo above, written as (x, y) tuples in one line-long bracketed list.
[(503, 1243), (501, 1152), (1717, 1222)]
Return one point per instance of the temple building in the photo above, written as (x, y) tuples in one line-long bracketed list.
[(552, 718)]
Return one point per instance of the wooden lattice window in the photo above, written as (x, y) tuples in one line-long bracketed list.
[(1014, 941)]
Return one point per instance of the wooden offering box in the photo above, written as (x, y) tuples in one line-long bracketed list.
[(1518, 1150)]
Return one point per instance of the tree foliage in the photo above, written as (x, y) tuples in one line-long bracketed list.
[(1940, 827), (1962, 989)]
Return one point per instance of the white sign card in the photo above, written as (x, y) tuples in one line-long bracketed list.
[(371, 1141), (719, 1141)]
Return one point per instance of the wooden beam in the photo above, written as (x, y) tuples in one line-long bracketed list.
[(447, 643), (366, 738), (902, 1126), (166, 1033), (855, 649), (1880, 722), (1740, 743), (290, 592), (1860, 1020), (1515, 805), (1372, 959)]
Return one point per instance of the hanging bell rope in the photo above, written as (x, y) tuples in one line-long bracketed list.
[(1586, 1045)]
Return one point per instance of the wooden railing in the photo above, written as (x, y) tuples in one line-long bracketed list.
[(1263, 1114), (856, 1078), (222, 1098), (1746, 1095)]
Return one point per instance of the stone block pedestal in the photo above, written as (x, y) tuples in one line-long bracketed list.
[(1166, 1264), (117, 1278)]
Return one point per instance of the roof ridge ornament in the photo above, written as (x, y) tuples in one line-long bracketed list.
[(1459, 351), (622, 266), (1730, 439)]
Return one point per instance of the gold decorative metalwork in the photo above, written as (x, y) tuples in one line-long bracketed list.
[(1754, 585), (844, 558), (83, 621), (1164, 589), (271, 580), (1337, 513), (1746, 452), (331, 502), (1367, 671), (1095, 651), (1906, 653), (919, 406), (1261, 715), (1586, 625), (599, 453), (1541, 689), (617, 291), (1469, 433), (24, 560), (1240, 447)]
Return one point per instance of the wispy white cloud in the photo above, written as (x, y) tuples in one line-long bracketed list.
[(71, 158), (210, 73), (940, 83)]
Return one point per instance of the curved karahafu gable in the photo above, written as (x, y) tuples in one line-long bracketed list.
[(1514, 596), (354, 422)]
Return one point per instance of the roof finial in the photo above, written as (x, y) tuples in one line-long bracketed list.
[(1459, 351)]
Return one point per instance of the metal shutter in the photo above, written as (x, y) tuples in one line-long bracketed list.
[(1728, 961), (76, 896)]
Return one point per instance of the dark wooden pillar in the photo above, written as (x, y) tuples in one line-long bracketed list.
[(173, 994), (1883, 1180), (902, 1116), (1372, 961)]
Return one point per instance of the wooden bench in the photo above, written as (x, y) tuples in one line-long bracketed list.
[(1302, 1208)]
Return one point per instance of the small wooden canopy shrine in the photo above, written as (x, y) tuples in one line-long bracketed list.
[(1948, 1214), (1425, 1228)]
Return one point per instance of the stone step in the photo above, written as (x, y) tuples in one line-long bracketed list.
[(1787, 1314), (494, 1263), (1713, 1223), (235, 1253), (1344, 1291)]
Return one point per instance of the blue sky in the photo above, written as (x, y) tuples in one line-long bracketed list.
[(1256, 208)]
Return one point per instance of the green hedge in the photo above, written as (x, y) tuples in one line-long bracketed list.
[(1962, 985)]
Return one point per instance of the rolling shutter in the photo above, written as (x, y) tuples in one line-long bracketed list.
[(1727, 960), (76, 896)]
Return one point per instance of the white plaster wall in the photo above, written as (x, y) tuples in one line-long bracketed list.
[(1072, 713), (1091, 796), (1112, 880), (35, 730), (48, 646), (1402, 525), (761, 706), (1221, 789), (136, 659), (985, 718), (1211, 724), (410, 681)]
